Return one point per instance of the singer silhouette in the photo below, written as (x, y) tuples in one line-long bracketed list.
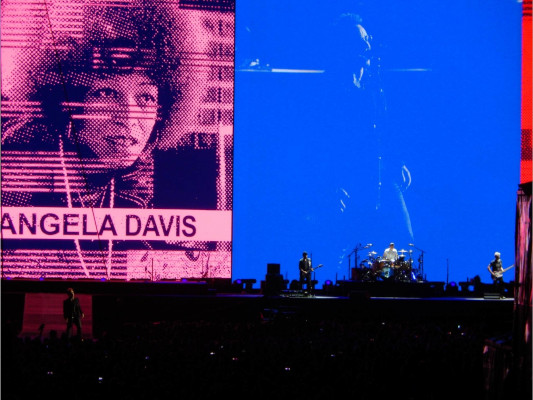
[(306, 268)]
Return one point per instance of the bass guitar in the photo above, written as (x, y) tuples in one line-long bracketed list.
[(499, 274), (312, 269)]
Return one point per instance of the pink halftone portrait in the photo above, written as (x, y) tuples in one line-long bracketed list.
[(117, 139)]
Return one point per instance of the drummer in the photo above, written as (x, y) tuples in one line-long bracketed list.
[(391, 255)]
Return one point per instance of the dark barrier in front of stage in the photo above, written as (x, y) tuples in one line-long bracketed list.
[(390, 289)]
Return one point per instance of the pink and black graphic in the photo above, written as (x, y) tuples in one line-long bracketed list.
[(117, 139)]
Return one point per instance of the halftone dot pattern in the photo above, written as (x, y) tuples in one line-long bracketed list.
[(228, 148), (526, 149), (90, 92)]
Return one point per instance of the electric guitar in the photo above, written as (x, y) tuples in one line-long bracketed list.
[(499, 274), (312, 269)]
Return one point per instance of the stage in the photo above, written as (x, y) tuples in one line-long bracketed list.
[(347, 334), (29, 304)]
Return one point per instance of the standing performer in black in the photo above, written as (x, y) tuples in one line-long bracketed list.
[(72, 313), (306, 270), (496, 271)]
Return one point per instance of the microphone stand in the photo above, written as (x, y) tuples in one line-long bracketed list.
[(354, 251), (420, 261)]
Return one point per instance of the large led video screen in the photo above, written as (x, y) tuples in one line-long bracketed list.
[(210, 138), (361, 123), (117, 139)]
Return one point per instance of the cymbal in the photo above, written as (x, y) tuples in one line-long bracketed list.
[(372, 252), (402, 251)]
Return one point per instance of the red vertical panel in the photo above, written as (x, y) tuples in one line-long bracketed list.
[(526, 166)]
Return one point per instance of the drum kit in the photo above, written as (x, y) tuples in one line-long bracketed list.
[(375, 268)]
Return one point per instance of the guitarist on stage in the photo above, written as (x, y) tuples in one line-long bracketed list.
[(306, 270), (496, 271)]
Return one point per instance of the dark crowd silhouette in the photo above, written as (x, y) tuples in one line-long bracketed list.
[(276, 355)]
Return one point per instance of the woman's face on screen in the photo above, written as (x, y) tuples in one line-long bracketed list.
[(119, 116)]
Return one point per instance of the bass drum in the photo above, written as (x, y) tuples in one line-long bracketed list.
[(382, 269), (404, 272), (406, 266), (379, 264), (399, 262)]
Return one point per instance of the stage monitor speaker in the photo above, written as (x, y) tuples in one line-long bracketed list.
[(274, 284), (273, 269)]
